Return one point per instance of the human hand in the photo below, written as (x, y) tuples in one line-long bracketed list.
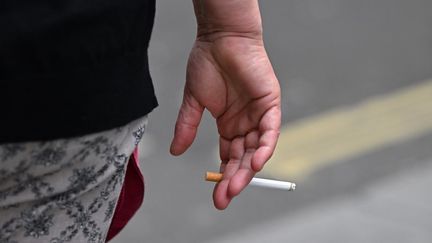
[(231, 76)]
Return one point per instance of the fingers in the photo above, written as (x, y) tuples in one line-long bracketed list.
[(241, 179), (224, 147), (246, 156), (244, 174), (265, 151), (221, 197), (269, 128), (237, 172), (227, 189), (187, 123)]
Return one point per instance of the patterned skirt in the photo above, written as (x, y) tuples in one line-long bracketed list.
[(64, 190)]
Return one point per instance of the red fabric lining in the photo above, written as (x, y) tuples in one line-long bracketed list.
[(131, 197)]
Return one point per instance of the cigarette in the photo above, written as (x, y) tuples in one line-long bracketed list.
[(284, 185)]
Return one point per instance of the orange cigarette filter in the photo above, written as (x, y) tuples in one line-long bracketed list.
[(213, 176)]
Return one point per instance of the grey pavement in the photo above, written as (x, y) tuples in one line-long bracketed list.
[(395, 209), (326, 53)]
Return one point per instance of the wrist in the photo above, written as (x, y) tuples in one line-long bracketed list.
[(222, 18)]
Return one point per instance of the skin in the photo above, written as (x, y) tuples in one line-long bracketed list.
[(230, 75)]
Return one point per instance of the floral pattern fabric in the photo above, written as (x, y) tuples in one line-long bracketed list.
[(64, 190)]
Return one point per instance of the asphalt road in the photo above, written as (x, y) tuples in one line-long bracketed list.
[(327, 54)]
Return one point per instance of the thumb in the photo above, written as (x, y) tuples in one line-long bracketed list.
[(187, 124)]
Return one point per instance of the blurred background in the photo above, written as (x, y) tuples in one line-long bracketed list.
[(356, 138)]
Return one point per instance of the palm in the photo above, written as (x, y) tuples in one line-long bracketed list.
[(232, 78)]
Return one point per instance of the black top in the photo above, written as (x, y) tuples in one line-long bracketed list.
[(73, 67)]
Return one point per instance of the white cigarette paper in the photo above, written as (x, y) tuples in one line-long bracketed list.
[(283, 185)]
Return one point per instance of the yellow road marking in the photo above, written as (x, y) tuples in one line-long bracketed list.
[(314, 142)]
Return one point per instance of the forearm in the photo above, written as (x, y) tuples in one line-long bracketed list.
[(218, 18)]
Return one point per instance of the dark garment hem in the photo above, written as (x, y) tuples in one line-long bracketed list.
[(75, 104)]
